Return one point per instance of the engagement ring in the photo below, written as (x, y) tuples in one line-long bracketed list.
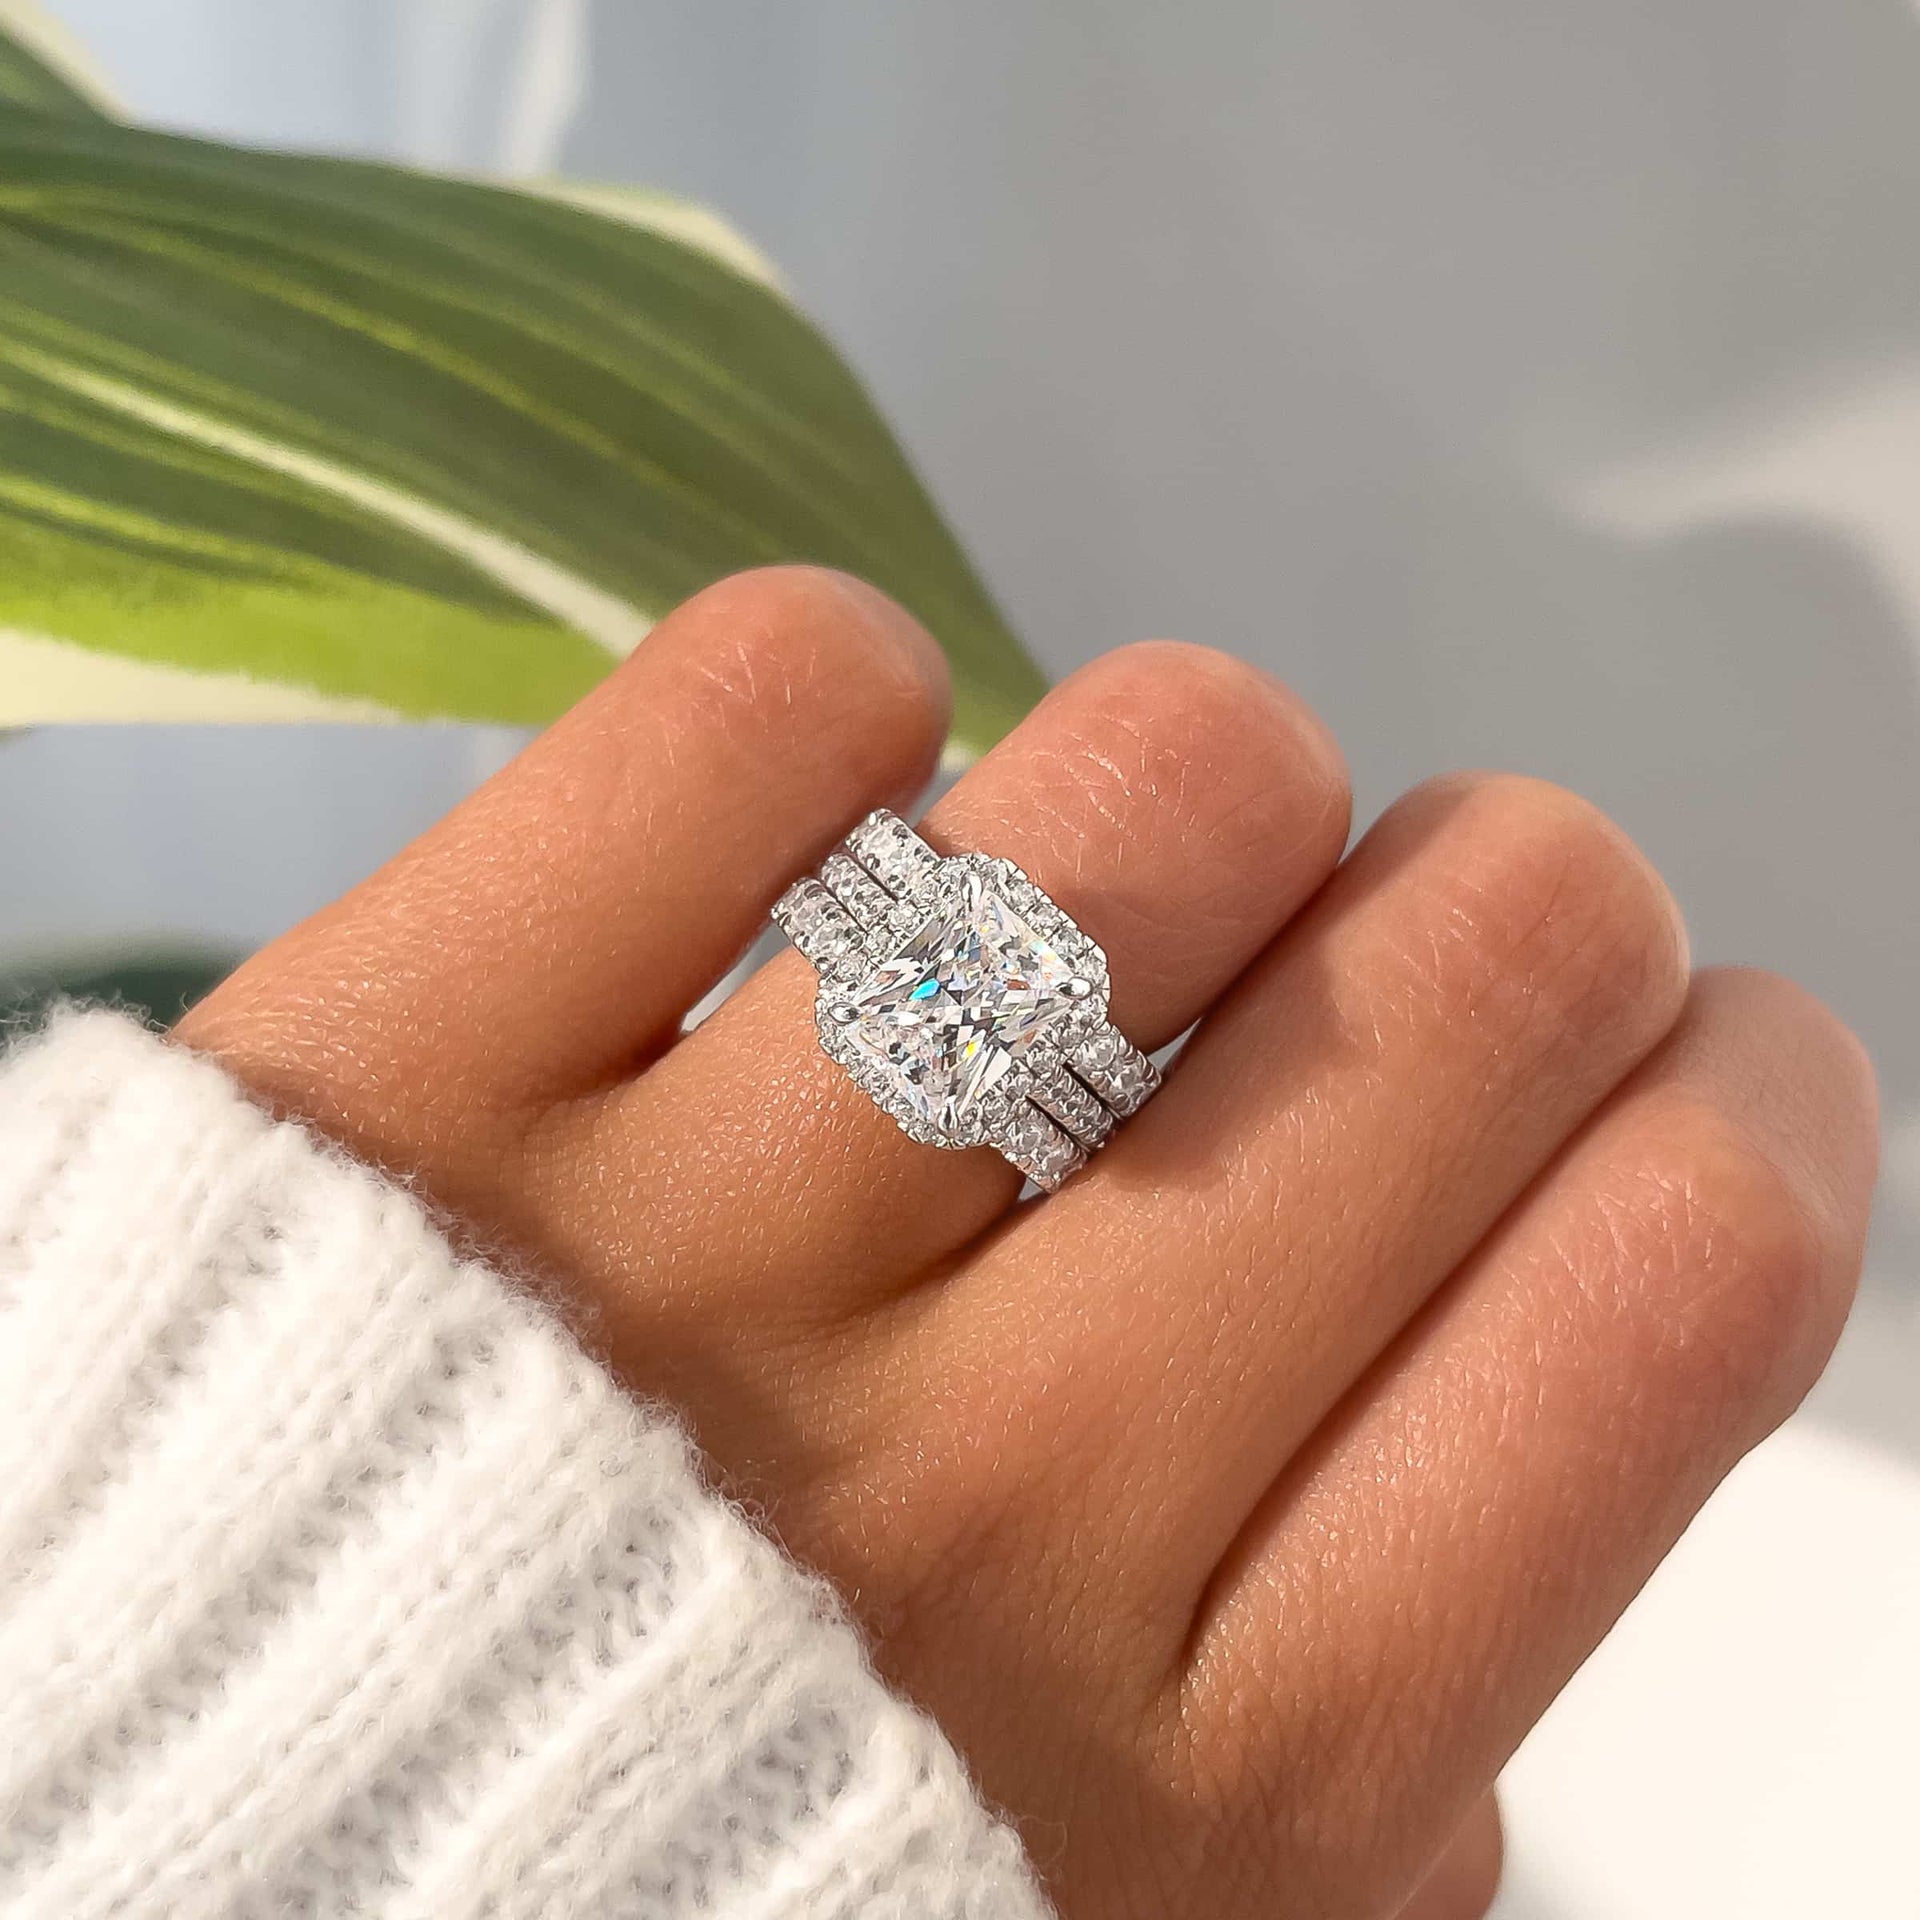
[(963, 1001)]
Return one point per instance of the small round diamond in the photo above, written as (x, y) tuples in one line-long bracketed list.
[(816, 922), (856, 890)]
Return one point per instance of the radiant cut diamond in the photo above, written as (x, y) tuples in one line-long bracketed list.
[(949, 1014)]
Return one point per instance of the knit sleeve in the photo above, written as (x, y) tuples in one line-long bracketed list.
[(334, 1579)]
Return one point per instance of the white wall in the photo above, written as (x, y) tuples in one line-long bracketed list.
[(1532, 383)]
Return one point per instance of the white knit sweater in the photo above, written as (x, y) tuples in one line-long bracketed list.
[(334, 1579)]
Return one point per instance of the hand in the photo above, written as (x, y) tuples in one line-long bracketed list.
[(1237, 1509)]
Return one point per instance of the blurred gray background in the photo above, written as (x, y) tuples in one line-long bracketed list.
[(1531, 384)]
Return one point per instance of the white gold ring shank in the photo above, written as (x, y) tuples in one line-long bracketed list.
[(963, 1001)]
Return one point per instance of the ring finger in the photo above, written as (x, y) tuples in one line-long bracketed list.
[(1178, 804)]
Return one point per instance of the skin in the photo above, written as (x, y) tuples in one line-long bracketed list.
[(1238, 1509)]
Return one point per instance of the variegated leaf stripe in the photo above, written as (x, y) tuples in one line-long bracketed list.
[(429, 444)]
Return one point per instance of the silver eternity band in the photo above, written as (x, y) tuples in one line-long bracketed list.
[(964, 1001)]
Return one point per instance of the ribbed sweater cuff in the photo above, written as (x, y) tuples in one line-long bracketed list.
[(334, 1579)]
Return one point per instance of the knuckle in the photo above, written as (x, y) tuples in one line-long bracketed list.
[(773, 599), (1813, 1053), (1194, 756), (1195, 705), (1545, 909), (1731, 1263), (809, 643)]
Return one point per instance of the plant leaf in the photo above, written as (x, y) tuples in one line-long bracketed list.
[(43, 67), (428, 445)]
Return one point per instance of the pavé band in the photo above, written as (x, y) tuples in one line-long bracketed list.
[(964, 1001)]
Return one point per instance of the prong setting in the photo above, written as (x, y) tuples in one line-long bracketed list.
[(1010, 994)]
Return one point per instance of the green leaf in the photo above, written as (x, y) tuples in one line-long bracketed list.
[(398, 443), (42, 67)]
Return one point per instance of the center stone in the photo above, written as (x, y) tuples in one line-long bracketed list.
[(948, 1014)]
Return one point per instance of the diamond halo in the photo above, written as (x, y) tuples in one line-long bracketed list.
[(964, 1001)]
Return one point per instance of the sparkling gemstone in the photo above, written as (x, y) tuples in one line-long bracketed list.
[(948, 1015), (888, 847), (815, 922)]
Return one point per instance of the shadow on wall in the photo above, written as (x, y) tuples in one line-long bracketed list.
[(1532, 385)]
